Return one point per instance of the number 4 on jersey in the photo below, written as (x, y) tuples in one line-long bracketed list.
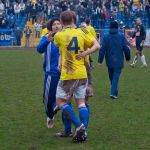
[(73, 45)]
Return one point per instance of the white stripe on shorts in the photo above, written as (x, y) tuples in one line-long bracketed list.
[(48, 82)]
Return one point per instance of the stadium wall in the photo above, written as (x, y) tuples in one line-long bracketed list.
[(7, 38)]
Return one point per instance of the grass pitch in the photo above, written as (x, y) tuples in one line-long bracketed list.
[(114, 125)]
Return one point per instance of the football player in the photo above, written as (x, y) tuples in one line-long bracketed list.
[(73, 80), (140, 35)]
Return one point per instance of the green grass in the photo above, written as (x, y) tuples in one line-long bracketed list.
[(114, 125)]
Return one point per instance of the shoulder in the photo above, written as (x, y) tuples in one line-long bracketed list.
[(58, 34), (84, 30), (91, 27)]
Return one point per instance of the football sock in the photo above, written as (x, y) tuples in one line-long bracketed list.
[(67, 123), (135, 59), (84, 115), (69, 113), (88, 108), (143, 60)]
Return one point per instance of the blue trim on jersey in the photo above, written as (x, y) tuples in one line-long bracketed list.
[(51, 56)]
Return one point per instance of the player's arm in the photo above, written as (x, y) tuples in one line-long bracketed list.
[(143, 33), (126, 49), (95, 46), (102, 51), (42, 46), (56, 42), (134, 34), (90, 42), (57, 39)]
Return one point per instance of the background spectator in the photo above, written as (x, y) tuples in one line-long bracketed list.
[(18, 34), (3, 21), (27, 32)]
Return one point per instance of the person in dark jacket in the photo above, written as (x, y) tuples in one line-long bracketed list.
[(140, 36), (18, 34), (114, 46)]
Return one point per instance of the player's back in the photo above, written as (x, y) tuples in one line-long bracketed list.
[(71, 42), (91, 30), (89, 36)]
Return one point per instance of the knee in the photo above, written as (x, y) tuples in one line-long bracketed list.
[(80, 103), (60, 102), (140, 53), (137, 53)]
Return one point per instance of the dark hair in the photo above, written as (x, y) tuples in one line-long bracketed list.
[(87, 21), (50, 23), (66, 17), (114, 25)]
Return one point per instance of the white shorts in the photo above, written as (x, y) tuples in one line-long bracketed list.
[(68, 88)]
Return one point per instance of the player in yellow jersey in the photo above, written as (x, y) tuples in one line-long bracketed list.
[(73, 80), (92, 31), (44, 31), (89, 88), (90, 28)]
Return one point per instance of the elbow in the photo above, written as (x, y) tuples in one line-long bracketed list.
[(39, 49), (98, 46)]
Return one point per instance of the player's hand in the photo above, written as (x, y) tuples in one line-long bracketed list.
[(130, 41), (50, 36), (43, 55), (83, 54)]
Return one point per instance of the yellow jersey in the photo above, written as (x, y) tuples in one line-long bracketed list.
[(44, 32), (136, 2), (72, 42), (91, 30), (88, 35)]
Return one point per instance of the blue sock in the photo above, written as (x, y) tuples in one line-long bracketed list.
[(88, 108), (84, 116), (69, 113), (67, 123)]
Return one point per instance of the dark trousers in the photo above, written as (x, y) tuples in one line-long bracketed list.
[(18, 41), (114, 74), (49, 99), (33, 19), (49, 96)]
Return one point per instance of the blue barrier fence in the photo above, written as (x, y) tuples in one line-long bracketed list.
[(6, 37)]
